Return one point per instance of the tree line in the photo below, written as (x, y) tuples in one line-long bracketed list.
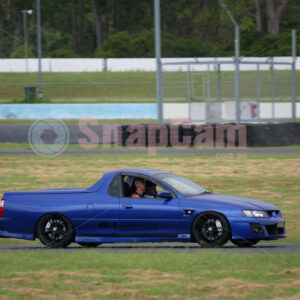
[(124, 28)]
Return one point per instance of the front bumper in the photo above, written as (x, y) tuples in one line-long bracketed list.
[(258, 228)]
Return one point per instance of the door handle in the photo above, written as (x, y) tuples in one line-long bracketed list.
[(127, 206), (90, 206)]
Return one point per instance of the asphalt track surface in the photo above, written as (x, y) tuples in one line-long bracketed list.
[(170, 151), (259, 248)]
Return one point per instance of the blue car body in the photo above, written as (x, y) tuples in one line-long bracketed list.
[(100, 214)]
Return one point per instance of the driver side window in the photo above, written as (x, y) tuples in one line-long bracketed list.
[(128, 187), (114, 188), (153, 190)]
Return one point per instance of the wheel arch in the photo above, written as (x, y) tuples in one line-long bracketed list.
[(52, 213), (207, 212)]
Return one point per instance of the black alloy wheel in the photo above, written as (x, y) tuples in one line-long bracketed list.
[(55, 231), (211, 229)]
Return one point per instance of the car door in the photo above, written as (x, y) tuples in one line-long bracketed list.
[(149, 216), (102, 213)]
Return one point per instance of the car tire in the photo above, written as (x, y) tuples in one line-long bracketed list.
[(55, 231), (211, 229), (244, 243), (89, 245)]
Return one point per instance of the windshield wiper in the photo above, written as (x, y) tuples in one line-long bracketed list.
[(193, 195), (205, 192)]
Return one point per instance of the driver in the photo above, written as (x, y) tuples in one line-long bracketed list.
[(150, 191), (140, 187)]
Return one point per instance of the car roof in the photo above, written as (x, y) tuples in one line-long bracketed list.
[(149, 172)]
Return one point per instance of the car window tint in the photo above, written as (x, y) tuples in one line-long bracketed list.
[(114, 188), (127, 186), (184, 186)]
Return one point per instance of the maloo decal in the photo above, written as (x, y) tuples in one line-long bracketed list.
[(130, 226)]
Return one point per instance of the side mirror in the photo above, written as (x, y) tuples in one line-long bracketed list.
[(164, 194)]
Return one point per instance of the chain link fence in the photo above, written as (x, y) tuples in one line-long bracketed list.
[(265, 91), (86, 92), (203, 86)]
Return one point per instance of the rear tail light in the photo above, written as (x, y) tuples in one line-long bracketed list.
[(2, 208)]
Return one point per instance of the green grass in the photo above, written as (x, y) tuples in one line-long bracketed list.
[(156, 274), (110, 87), (26, 146), (271, 178), (205, 274)]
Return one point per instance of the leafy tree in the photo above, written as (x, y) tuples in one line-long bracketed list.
[(124, 28), (20, 53), (274, 12)]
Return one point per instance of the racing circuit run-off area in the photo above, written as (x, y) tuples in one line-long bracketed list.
[(138, 205), (144, 270), (149, 150)]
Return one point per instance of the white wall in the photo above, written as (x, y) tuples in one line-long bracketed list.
[(128, 64), (53, 65), (198, 110)]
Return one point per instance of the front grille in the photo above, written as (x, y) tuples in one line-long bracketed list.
[(273, 213), (273, 230)]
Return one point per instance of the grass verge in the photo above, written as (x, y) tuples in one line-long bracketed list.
[(271, 178), (203, 274), (207, 274), (107, 87), (26, 146)]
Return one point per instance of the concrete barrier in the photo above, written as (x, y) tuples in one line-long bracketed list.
[(78, 111), (106, 111), (164, 135)]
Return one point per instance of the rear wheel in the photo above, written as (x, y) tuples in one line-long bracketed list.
[(89, 245), (244, 243), (55, 231), (211, 229)]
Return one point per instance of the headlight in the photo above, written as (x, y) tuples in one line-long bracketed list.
[(254, 213)]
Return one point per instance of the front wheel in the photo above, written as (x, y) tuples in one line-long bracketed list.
[(244, 243), (211, 229), (55, 231), (89, 245)]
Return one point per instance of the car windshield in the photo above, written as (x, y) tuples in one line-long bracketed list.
[(182, 185)]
